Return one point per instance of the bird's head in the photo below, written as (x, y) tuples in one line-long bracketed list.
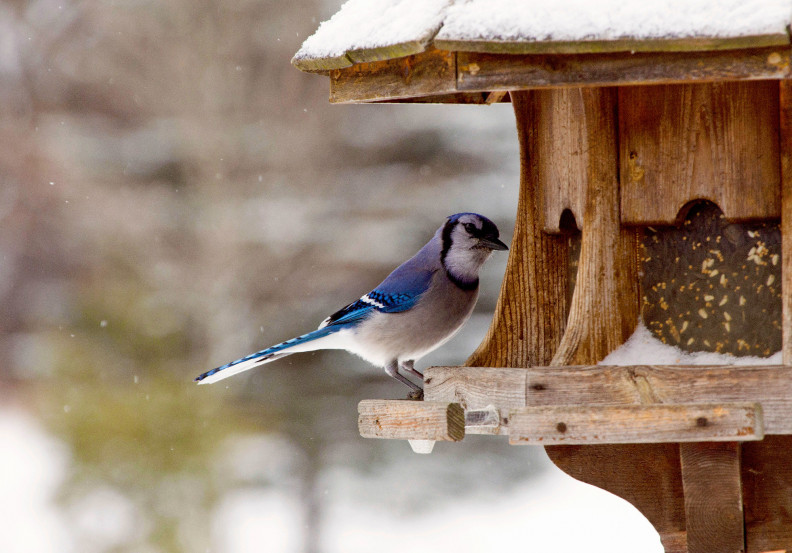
[(468, 240)]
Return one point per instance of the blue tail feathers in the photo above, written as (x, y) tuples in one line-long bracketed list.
[(264, 354)]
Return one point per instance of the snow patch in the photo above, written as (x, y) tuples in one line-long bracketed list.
[(642, 348)]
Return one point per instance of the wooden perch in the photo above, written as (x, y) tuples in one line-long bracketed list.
[(575, 424), (604, 385), (411, 420)]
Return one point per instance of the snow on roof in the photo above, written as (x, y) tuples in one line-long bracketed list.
[(400, 27), (368, 30), (576, 20)]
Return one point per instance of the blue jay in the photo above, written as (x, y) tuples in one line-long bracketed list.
[(418, 308)]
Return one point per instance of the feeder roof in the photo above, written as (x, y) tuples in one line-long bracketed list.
[(377, 30)]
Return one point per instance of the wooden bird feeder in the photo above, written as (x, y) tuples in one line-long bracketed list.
[(621, 141)]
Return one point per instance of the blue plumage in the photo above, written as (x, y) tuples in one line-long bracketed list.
[(418, 307)]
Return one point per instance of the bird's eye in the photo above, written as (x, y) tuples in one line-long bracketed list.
[(470, 227)]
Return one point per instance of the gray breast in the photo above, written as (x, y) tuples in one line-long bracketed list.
[(440, 313)]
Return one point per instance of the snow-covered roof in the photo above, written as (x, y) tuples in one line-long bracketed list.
[(371, 30)]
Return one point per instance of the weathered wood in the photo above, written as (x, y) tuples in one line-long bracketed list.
[(476, 98), (429, 73), (586, 424), (785, 138), (606, 278), (602, 385), (561, 155), (415, 420), (388, 52), (687, 44), (531, 310), (713, 497), (509, 72), (674, 542), (767, 481), (713, 141)]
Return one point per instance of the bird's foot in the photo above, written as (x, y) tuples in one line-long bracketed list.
[(416, 395)]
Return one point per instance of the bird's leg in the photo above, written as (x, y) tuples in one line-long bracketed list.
[(408, 366), (392, 368)]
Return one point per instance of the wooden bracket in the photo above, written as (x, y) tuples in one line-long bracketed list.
[(411, 420)]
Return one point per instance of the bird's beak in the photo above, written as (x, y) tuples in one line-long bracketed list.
[(492, 243)]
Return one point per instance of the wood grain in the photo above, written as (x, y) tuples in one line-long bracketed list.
[(514, 72), (413, 420), (602, 385), (606, 281), (429, 73), (687, 44), (713, 497), (561, 155), (531, 311), (785, 139), (586, 424), (767, 481), (712, 141)]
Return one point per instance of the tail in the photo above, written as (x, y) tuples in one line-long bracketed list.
[(307, 342)]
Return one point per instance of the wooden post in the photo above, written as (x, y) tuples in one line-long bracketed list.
[(531, 312), (785, 138), (713, 497), (604, 308)]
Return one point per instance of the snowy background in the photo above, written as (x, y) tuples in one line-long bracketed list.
[(174, 195)]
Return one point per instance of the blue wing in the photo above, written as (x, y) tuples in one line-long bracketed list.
[(395, 294)]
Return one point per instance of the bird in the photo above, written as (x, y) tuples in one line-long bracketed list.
[(420, 306)]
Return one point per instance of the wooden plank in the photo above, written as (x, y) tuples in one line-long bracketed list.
[(476, 387), (413, 420), (785, 138), (714, 141), (713, 497), (767, 481), (514, 72), (606, 281), (476, 98), (390, 51), (531, 311), (429, 73), (321, 65), (476, 390), (769, 385), (585, 424), (689, 44), (561, 155)]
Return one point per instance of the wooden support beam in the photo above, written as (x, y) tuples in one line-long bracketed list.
[(603, 385), (531, 311), (668, 423), (411, 420), (713, 497), (606, 281), (430, 73), (785, 139), (514, 72)]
